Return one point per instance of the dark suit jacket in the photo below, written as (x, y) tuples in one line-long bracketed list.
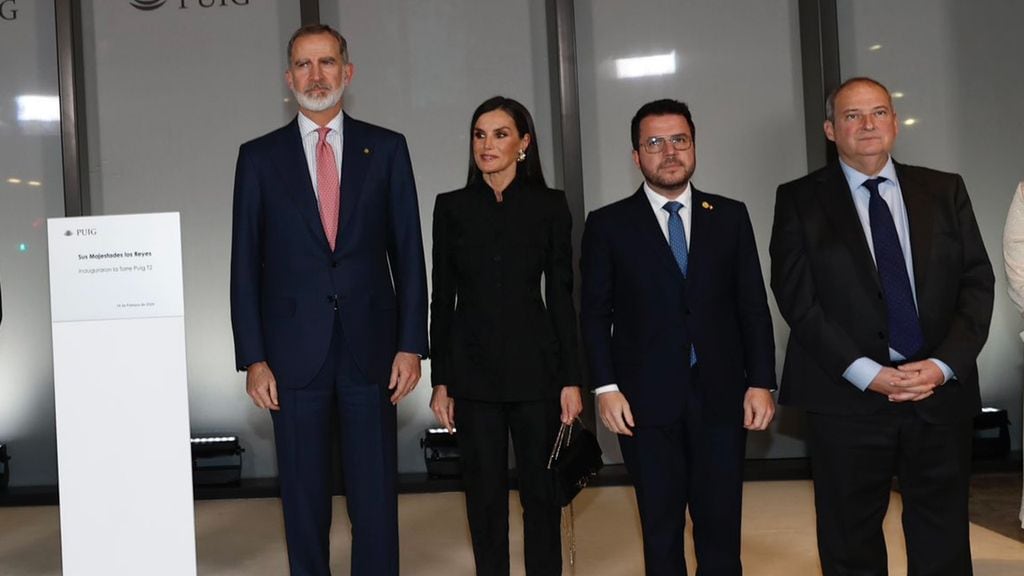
[(828, 290), (639, 315), (494, 338), (285, 280)]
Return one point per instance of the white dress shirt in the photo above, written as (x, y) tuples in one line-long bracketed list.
[(310, 138)]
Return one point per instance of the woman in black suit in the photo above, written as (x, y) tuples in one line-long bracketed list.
[(504, 360)]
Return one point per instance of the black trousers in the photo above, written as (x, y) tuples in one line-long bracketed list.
[(695, 463), (854, 459), (366, 422), (484, 429)]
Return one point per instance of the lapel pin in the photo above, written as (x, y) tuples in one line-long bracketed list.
[(366, 151), (707, 206)]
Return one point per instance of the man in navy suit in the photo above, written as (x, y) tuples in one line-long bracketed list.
[(679, 341), (329, 305)]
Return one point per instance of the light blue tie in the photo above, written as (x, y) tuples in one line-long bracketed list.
[(677, 234), (677, 242)]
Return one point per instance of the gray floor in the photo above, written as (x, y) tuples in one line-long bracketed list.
[(244, 537)]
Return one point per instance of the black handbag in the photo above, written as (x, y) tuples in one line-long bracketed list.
[(575, 458)]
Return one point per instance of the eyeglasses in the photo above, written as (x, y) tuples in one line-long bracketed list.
[(656, 144)]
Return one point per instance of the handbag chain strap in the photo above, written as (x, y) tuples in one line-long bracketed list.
[(563, 439), (557, 448)]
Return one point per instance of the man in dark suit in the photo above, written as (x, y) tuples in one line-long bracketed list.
[(881, 273), (679, 341), (328, 304)]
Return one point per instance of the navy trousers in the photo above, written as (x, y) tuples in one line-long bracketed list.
[(339, 395), (693, 463)]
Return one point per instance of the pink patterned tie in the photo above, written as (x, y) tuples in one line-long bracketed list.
[(328, 186)]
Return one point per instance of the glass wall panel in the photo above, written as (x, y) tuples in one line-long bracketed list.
[(954, 69), (737, 65), (171, 93), (421, 69), (31, 190)]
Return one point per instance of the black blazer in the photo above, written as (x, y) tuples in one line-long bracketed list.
[(828, 290), (493, 337), (639, 315)]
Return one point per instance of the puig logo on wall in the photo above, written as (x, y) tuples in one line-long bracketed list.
[(8, 10), (149, 5)]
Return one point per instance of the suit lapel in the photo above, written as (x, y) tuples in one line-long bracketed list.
[(358, 151), (295, 170), (650, 232), (837, 202), (701, 228), (915, 198)]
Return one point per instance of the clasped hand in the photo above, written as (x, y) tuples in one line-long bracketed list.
[(911, 382)]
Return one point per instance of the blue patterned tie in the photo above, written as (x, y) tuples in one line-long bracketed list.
[(905, 334), (677, 234), (677, 241)]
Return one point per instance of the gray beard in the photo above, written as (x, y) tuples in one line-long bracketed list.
[(314, 104)]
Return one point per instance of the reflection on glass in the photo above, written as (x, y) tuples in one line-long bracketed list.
[(638, 67), (897, 94), (875, 47), (34, 108), (910, 121)]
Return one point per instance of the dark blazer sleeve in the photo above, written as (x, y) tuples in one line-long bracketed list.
[(793, 283), (752, 309), (596, 299), (975, 289), (442, 303), (405, 253), (558, 278), (246, 263)]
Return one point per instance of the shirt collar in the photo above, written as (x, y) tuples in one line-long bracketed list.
[(657, 200), (306, 126), (856, 179)]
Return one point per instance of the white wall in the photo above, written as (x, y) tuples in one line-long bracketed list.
[(738, 67), (170, 95), (958, 67), (31, 190), (422, 68)]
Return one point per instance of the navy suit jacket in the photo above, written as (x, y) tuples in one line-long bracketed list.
[(828, 290), (639, 315), (286, 283)]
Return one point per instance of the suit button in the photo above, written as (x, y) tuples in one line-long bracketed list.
[(881, 335), (687, 311), (497, 258), (880, 295), (334, 264)]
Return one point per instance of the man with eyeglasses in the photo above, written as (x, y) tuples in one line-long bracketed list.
[(679, 342), (880, 270)]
